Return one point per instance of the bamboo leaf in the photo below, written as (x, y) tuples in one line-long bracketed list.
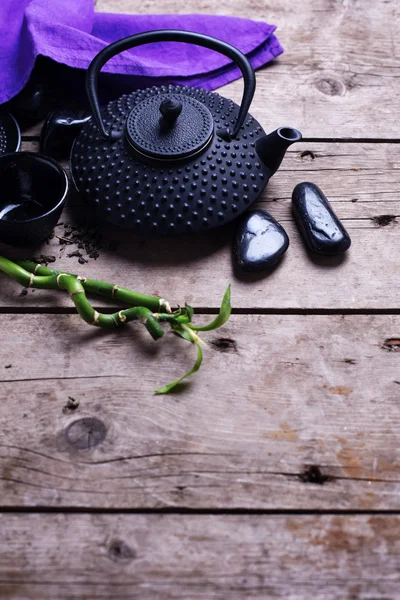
[(190, 311), (167, 388), (223, 316), (185, 334)]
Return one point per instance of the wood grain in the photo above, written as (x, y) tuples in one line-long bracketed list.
[(339, 74), (93, 557), (276, 396), (362, 182), (197, 271), (293, 413)]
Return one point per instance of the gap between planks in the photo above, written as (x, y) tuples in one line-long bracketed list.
[(183, 510), (208, 310), (322, 140)]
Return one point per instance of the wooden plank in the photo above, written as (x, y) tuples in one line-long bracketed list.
[(197, 270), (217, 557), (287, 412), (362, 182), (338, 75)]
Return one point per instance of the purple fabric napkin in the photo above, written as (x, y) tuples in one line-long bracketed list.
[(72, 33)]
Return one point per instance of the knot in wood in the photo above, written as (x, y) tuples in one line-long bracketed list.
[(85, 433), (330, 86)]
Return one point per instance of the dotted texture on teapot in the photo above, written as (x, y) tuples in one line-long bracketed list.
[(157, 198)]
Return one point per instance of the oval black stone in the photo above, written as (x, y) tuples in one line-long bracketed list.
[(259, 241), (319, 226)]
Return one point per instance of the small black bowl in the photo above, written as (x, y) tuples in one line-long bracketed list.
[(33, 191)]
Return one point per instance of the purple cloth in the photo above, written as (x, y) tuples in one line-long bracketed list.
[(72, 33)]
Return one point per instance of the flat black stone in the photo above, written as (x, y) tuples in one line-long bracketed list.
[(259, 241), (319, 226)]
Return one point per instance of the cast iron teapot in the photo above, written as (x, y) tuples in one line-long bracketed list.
[(174, 159)]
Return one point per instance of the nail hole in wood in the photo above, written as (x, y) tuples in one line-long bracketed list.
[(119, 551), (384, 220), (307, 155), (391, 345), (224, 344), (314, 475)]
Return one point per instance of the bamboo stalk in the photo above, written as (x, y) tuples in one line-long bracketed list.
[(141, 306), (73, 285), (107, 290)]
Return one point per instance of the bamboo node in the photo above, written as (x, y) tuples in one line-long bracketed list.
[(95, 318), (31, 280), (114, 290), (164, 304), (58, 278), (81, 279), (156, 315), (36, 268), (76, 292), (122, 317)]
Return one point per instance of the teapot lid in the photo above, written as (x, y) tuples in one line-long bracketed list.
[(169, 126)]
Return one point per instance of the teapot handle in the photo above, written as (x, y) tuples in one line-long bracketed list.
[(170, 35)]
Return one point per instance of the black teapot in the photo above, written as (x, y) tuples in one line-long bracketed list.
[(174, 159)]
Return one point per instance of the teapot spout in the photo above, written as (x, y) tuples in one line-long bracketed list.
[(272, 147)]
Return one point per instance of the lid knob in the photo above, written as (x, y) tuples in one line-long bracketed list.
[(185, 127), (170, 109)]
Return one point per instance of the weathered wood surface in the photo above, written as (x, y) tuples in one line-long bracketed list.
[(338, 76), (361, 180), (213, 557), (276, 395), (288, 413)]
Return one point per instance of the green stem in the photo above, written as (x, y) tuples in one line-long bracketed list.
[(101, 288), (75, 289), (143, 307), (25, 278)]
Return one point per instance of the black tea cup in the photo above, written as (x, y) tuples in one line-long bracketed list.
[(33, 190)]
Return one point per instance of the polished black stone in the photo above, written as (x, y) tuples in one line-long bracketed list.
[(259, 241), (319, 226), (60, 130)]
